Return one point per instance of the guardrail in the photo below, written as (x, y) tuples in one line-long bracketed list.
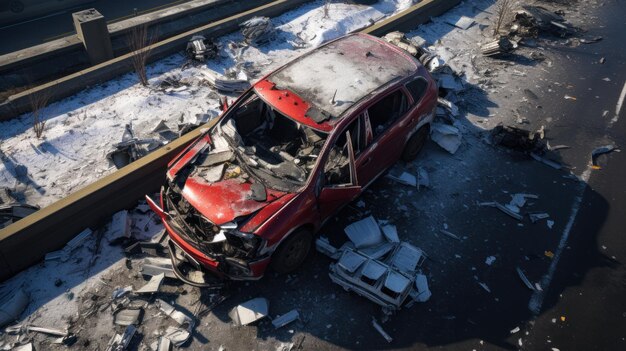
[(28, 240)]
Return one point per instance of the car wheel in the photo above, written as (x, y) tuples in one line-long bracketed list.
[(292, 252), (415, 144), (16, 6)]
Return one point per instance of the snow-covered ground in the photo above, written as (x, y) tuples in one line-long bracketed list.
[(82, 129)]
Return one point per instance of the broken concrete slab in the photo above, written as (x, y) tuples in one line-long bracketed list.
[(364, 233), (449, 106), (250, 311), (285, 319), (446, 136)]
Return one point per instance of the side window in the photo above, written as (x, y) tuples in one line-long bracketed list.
[(357, 135), (417, 88), (383, 113)]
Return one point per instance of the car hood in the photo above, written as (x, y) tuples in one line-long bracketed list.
[(222, 202)]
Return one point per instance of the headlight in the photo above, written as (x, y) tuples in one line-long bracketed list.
[(245, 241)]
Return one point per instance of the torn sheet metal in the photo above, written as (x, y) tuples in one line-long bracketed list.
[(391, 233), (601, 151), (178, 336), (364, 233), (250, 311), (127, 317), (380, 330), (508, 211), (323, 245), (285, 319), (525, 280), (404, 178), (158, 265), (201, 49), (449, 106), (180, 318), (120, 225), (546, 161), (407, 257), (422, 292), (162, 344), (447, 233), (119, 342), (257, 30), (12, 304), (446, 136), (225, 84), (534, 217), (153, 285)]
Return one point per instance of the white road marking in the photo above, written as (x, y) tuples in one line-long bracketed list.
[(618, 107), (536, 300)]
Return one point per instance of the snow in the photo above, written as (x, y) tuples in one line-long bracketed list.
[(81, 129)]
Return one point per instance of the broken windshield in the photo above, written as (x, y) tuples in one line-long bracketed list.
[(276, 150)]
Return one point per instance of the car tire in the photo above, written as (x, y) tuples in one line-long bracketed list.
[(415, 144), (292, 252), (16, 6)]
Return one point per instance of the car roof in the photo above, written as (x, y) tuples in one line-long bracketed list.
[(335, 76)]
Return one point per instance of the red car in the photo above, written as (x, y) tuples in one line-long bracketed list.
[(295, 148)]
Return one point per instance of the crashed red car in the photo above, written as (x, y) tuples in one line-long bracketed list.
[(300, 144)]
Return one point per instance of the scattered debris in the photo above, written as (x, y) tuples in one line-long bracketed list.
[(131, 148), (428, 59), (12, 210), (257, 30), (518, 139), (525, 280), (549, 223), (515, 330), (447, 233), (323, 245), (153, 285), (12, 304), (121, 292), (381, 330), (224, 84), (484, 286), (285, 319), (498, 47), (158, 265), (446, 136), (250, 311), (201, 49), (119, 342), (600, 151), (404, 178), (462, 22), (548, 254), (569, 97), (534, 217), (449, 106), (125, 317), (508, 211), (490, 260), (545, 161), (422, 178)]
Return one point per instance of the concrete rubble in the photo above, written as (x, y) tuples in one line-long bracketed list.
[(378, 266)]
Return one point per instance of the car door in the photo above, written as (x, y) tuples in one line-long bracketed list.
[(385, 120), (337, 184)]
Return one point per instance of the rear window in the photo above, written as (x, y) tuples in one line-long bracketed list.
[(417, 88)]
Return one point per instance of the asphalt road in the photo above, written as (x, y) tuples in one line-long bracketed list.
[(58, 22)]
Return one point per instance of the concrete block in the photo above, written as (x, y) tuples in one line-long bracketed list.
[(91, 29)]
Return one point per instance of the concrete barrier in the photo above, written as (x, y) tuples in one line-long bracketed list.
[(28, 240), (52, 60)]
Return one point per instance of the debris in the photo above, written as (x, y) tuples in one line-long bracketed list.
[(525, 280), (126, 317), (12, 304), (180, 318), (225, 84), (119, 342), (446, 136), (545, 161), (163, 344), (590, 40), (158, 265), (454, 111), (323, 245), (404, 178), (549, 223), (415, 49), (600, 151), (447, 233), (257, 30), (391, 233), (515, 330), (381, 330), (490, 260), (569, 97), (549, 254), (250, 311), (201, 49), (285, 319), (121, 292), (18, 329), (422, 178), (12, 210), (508, 211), (484, 286), (423, 292), (534, 217), (518, 139), (178, 336), (497, 47), (153, 285), (120, 225), (463, 22), (131, 148), (364, 233), (449, 82)]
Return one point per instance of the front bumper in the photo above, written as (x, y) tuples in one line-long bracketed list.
[(221, 266)]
